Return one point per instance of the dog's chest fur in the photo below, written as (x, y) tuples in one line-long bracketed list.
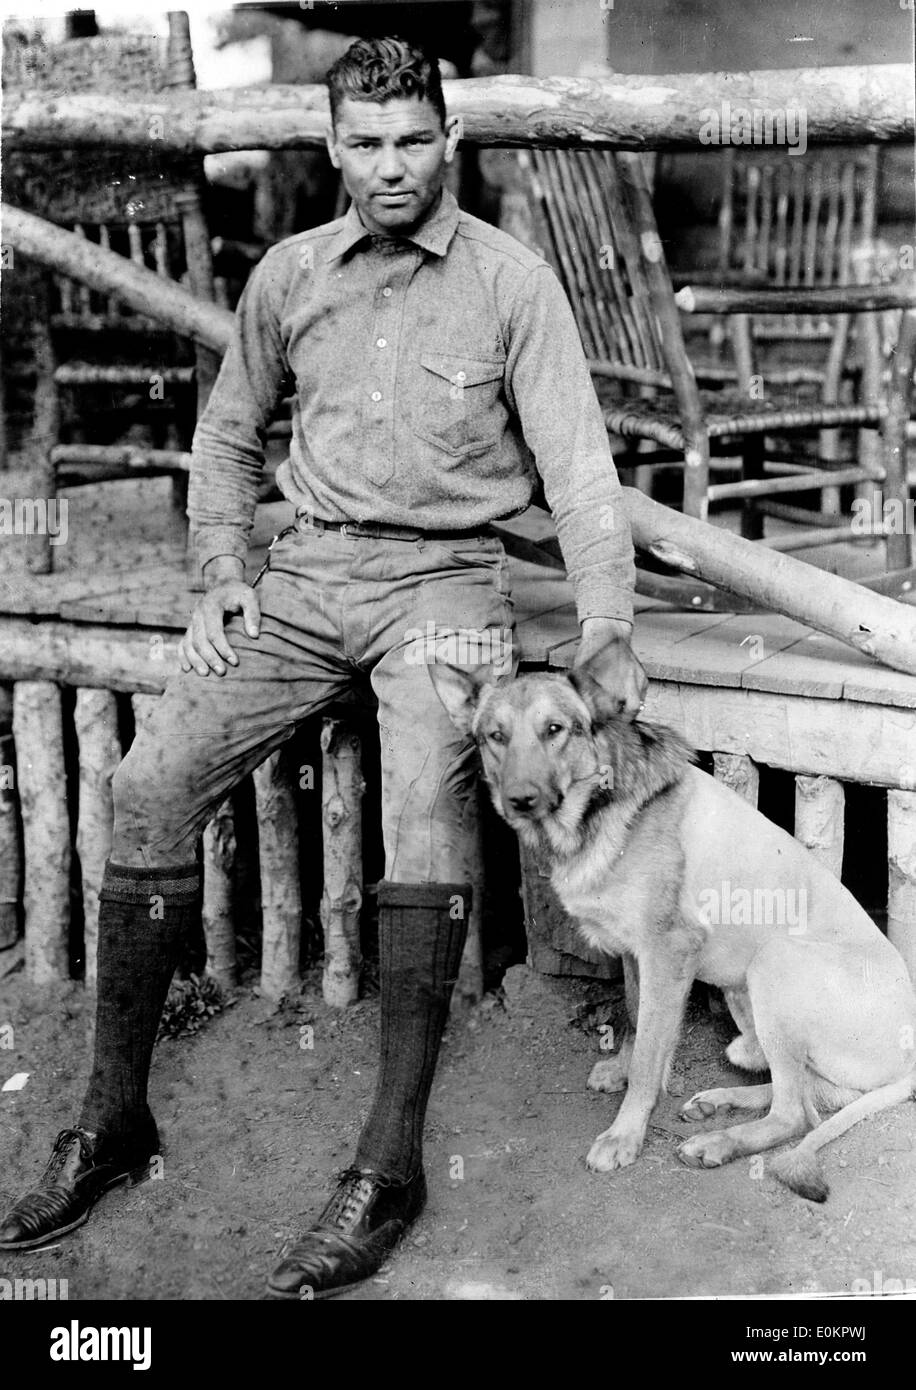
[(626, 882)]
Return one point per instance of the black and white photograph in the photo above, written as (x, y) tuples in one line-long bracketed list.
[(458, 665)]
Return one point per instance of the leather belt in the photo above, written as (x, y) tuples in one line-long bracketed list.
[(381, 531)]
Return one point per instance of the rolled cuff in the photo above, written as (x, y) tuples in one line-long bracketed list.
[(600, 600), (220, 540)]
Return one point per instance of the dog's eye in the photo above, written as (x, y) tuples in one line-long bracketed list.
[(553, 729), (496, 736)]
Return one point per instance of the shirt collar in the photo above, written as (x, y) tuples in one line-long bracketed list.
[(434, 234)]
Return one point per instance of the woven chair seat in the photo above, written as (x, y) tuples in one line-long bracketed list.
[(728, 414)]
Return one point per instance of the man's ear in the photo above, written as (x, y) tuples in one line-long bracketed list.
[(460, 691), (454, 129), (612, 682)]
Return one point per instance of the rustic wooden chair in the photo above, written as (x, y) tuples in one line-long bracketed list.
[(799, 222), (122, 394), (593, 218)]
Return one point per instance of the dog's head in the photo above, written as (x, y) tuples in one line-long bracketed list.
[(537, 736)]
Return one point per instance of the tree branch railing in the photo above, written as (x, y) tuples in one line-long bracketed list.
[(838, 105)]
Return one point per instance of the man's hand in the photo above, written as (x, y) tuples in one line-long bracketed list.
[(597, 632), (204, 647)]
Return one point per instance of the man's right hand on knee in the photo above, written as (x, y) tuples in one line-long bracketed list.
[(205, 647)]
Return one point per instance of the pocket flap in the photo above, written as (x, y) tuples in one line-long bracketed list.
[(463, 371)]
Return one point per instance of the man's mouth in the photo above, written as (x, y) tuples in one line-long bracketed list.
[(394, 200)]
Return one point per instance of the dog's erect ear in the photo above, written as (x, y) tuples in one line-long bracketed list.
[(612, 682), (460, 690)]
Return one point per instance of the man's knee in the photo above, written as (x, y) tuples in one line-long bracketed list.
[(154, 794)]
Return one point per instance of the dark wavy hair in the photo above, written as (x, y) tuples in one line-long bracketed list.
[(382, 70)]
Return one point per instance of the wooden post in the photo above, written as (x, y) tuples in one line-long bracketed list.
[(281, 897), (96, 720), (342, 791), (819, 806), (10, 851), (901, 875), (39, 736), (738, 772), (219, 848)]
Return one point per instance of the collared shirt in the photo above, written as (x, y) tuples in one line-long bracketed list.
[(435, 376)]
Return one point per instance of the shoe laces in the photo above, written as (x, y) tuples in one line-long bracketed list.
[(59, 1153), (356, 1185)]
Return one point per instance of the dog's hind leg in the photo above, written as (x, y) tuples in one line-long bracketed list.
[(665, 980), (788, 1118), (707, 1103), (611, 1073), (631, 987), (745, 1050)]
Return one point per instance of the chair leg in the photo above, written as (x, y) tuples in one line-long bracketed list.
[(696, 476), (752, 455)]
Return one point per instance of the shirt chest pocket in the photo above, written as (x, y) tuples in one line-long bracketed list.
[(459, 407)]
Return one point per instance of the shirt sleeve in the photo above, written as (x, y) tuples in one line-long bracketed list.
[(227, 454), (549, 386)]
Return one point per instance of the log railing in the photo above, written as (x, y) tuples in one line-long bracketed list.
[(827, 742), (34, 813), (840, 105)]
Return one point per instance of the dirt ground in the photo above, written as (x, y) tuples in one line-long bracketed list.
[(254, 1123)]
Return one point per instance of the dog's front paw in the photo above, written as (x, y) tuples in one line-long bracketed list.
[(609, 1075), (611, 1151), (707, 1150)]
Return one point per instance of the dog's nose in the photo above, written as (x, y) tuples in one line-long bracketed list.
[(524, 798)]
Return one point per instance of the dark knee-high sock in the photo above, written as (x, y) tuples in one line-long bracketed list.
[(422, 929), (144, 915)]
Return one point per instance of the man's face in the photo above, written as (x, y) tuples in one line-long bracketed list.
[(392, 158)]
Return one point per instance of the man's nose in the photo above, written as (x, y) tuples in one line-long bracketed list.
[(391, 164), (523, 797)]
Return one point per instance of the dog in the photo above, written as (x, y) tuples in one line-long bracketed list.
[(665, 866)]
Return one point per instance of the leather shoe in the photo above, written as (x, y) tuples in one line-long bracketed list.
[(358, 1229), (83, 1165)]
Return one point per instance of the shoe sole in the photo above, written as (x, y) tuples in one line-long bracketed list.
[(133, 1178)]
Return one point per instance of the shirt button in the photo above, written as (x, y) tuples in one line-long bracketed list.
[(387, 291), (376, 395), (381, 342), (461, 376)]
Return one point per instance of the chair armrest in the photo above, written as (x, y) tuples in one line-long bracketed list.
[(783, 299)]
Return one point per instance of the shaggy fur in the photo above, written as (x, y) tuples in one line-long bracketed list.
[(661, 864)]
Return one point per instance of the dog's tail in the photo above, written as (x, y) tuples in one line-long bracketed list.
[(800, 1168)]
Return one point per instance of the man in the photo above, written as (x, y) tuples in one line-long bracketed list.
[(437, 371)]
